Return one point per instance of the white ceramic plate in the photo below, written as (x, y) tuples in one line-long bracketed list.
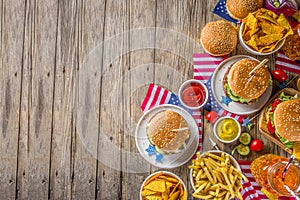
[(171, 160), (218, 92)]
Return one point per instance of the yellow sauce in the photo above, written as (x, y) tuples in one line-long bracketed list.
[(227, 129)]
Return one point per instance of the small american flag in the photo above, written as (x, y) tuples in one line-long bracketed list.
[(157, 95), (284, 63), (221, 10), (204, 66)]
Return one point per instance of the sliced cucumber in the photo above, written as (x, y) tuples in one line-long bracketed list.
[(243, 150), (245, 138)]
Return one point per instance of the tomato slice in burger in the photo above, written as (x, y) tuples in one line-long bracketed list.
[(275, 103), (271, 128)]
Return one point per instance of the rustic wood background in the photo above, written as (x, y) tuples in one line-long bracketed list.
[(43, 48)]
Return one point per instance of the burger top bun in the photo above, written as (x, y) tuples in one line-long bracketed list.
[(159, 130), (238, 77), (219, 38), (287, 119), (239, 9)]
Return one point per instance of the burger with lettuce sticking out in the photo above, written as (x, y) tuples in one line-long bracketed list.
[(240, 86), (283, 119)]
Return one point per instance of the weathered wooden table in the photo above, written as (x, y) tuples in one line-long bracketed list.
[(73, 76)]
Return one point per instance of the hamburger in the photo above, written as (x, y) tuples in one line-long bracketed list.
[(219, 38), (283, 119), (238, 84), (239, 9), (162, 133)]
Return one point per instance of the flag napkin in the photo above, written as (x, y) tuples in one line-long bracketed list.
[(220, 9), (204, 66), (284, 63), (157, 95)]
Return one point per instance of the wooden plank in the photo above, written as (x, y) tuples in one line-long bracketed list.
[(137, 76), (64, 95), (91, 23), (115, 62), (11, 34), (37, 99)]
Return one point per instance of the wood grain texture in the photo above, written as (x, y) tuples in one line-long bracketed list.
[(63, 130), (37, 99), (73, 75), (12, 32)]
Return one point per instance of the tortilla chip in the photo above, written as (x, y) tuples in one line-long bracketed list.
[(169, 184), (156, 185), (175, 195), (146, 192), (271, 38), (183, 197), (153, 177), (165, 195), (251, 22), (282, 21), (169, 178), (153, 197)]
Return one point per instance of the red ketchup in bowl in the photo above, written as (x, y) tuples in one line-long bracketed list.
[(193, 95)]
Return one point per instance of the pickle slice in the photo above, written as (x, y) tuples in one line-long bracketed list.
[(245, 138), (243, 149)]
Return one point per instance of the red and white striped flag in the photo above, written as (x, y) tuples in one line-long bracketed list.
[(205, 65), (284, 63)]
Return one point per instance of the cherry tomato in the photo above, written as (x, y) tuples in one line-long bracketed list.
[(256, 145), (212, 116), (279, 75)]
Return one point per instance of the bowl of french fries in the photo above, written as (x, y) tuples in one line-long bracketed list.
[(216, 175), (163, 185)]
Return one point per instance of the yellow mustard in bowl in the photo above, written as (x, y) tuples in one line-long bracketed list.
[(227, 129)]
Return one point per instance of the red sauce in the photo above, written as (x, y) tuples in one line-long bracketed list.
[(193, 95)]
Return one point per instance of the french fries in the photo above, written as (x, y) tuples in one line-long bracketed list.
[(215, 177)]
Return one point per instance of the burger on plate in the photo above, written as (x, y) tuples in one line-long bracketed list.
[(241, 87), (239, 9), (219, 38), (168, 131), (283, 119)]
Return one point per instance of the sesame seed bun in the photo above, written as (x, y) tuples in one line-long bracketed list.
[(287, 119), (219, 38), (239, 9), (238, 77), (159, 131)]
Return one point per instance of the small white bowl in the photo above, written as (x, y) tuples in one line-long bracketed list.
[(187, 84), (217, 135), (216, 152), (252, 51), (164, 172)]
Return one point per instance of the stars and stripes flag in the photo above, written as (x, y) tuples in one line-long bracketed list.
[(204, 66), (157, 95), (220, 9), (284, 63)]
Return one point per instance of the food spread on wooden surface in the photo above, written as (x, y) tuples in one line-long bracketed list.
[(216, 175)]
